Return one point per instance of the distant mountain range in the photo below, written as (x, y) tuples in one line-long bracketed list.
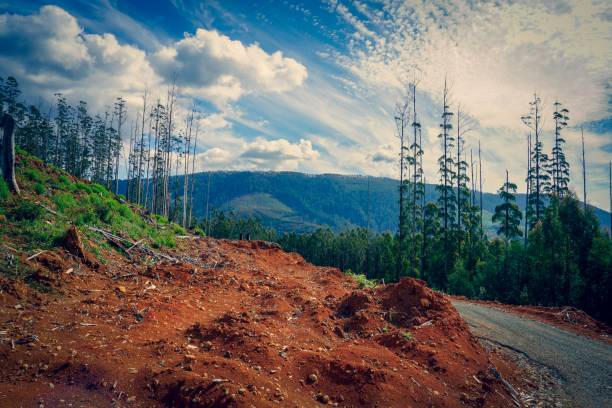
[(291, 201)]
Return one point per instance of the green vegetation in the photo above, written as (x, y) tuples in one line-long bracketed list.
[(407, 336), (362, 281), (51, 201)]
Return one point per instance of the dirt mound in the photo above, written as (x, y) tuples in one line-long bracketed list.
[(353, 303), (245, 325), (411, 302)]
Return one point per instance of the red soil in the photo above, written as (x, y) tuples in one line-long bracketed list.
[(567, 318), (244, 325)]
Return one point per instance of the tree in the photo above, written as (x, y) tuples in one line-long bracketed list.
[(402, 118), (7, 152), (417, 188), (538, 178), (447, 200), (559, 167), (508, 214), (116, 142)]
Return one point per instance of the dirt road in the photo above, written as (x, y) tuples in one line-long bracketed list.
[(584, 366)]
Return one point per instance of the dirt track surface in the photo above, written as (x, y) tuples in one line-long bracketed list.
[(584, 366)]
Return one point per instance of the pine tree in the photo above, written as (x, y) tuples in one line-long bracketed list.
[(508, 214)]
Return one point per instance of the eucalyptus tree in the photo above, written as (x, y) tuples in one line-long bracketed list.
[(508, 214), (559, 167), (447, 201), (539, 180), (402, 120)]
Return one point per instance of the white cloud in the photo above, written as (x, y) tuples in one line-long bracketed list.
[(223, 69), (278, 154)]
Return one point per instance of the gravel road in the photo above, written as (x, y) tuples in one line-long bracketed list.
[(584, 366)]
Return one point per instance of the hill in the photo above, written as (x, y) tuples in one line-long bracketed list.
[(290, 201), (103, 305)]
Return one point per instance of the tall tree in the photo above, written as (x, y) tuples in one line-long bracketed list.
[(508, 214), (121, 114), (447, 200), (402, 118), (559, 167), (538, 178), (584, 179)]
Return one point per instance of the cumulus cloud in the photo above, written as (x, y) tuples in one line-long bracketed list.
[(224, 69), (50, 51), (278, 154)]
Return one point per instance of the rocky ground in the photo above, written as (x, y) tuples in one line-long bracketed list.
[(237, 324)]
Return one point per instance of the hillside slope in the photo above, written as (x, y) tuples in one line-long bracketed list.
[(115, 319), (291, 201)]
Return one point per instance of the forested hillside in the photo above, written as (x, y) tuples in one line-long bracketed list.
[(290, 201)]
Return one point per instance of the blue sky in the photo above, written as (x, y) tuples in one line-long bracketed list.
[(312, 86)]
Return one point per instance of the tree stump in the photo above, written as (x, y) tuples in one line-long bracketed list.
[(7, 152)]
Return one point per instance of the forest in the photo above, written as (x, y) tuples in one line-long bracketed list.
[(551, 252)]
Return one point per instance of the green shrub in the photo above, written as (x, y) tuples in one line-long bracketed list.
[(407, 336), (83, 187), (178, 230), (362, 281), (40, 188), (4, 190), (64, 201), (199, 231), (33, 174), (25, 211)]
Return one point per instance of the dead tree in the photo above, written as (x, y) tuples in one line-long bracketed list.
[(7, 152)]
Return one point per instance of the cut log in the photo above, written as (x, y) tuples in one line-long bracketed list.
[(7, 150)]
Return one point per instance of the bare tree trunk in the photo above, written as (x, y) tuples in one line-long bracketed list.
[(195, 145), (7, 148), (584, 182), (480, 179)]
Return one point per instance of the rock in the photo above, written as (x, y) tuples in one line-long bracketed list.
[(241, 391), (322, 398), (189, 358), (121, 289), (312, 378)]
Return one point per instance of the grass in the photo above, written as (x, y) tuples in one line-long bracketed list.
[(362, 281), (29, 225)]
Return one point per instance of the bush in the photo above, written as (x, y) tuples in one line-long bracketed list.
[(33, 175), (64, 201), (40, 188), (199, 231), (25, 211), (362, 281), (407, 336)]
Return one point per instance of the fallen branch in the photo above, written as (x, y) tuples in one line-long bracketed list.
[(36, 254)]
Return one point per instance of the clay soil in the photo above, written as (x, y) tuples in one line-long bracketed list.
[(243, 324), (567, 318)]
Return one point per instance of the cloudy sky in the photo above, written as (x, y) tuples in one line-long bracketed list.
[(311, 86)]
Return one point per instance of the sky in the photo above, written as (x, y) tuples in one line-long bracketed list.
[(312, 86)]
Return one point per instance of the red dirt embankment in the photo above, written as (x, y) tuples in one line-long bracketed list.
[(244, 325)]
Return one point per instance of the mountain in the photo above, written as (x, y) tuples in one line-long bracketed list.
[(291, 201)]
